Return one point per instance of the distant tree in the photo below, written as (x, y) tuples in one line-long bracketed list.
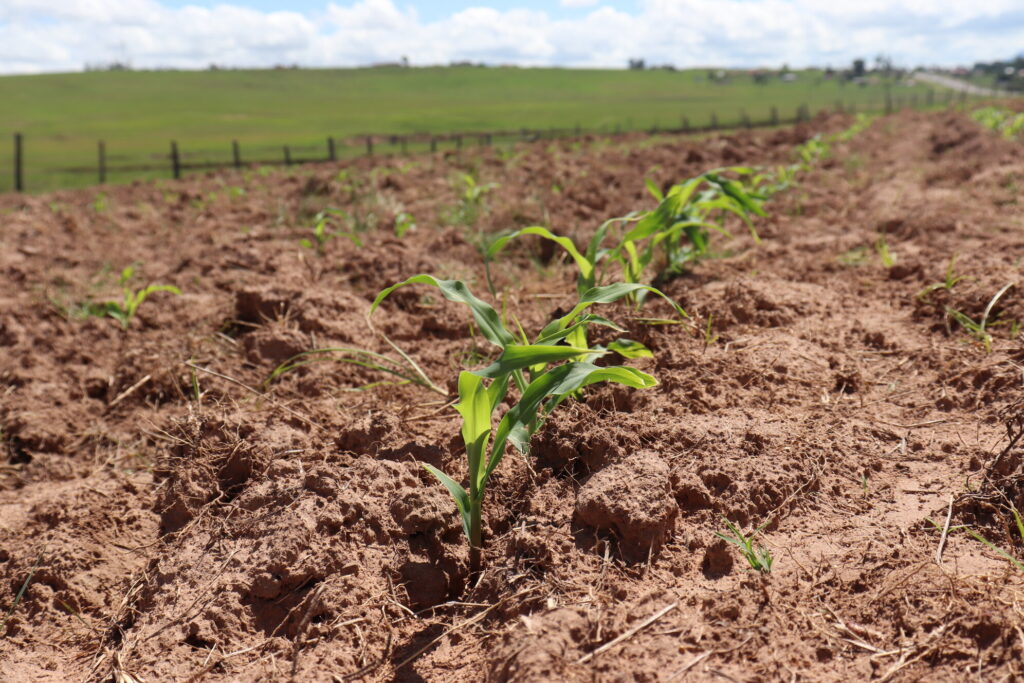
[(637, 64), (858, 68)]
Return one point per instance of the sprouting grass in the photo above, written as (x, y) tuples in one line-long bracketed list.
[(757, 556), (709, 336), (885, 255), (122, 311), (950, 281), (19, 596), (979, 329), (543, 373), (1018, 523), (406, 370)]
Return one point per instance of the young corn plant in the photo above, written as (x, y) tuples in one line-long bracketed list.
[(757, 556), (404, 222), (677, 231), (124, 311), (543, 373), (472, 200), (322, 235)]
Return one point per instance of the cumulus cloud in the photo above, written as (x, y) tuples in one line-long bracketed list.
[(41, 35)]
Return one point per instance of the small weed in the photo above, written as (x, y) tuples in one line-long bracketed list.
[(100, 203), (406, 370), (1018, 523), (757, 556), (854, 257), (709, 337), (19, 596), (884, 254), (951, 280), (979, 328)]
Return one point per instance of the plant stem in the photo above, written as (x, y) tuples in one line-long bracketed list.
[(475, 534)]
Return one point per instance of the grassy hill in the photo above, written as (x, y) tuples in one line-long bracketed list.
[(63, 116)]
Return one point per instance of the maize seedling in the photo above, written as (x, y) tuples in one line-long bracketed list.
[(124, 311), (554, 367)]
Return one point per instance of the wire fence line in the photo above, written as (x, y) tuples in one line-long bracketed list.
[(177, 160)]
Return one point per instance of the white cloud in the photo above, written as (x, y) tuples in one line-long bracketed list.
[(42, 35)]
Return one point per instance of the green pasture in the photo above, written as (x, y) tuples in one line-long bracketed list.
[(137, 114)]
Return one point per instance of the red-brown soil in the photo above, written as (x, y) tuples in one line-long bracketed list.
[(290, 533)]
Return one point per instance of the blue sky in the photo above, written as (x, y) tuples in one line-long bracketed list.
[(64, 35)]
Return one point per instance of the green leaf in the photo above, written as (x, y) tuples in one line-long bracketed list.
[(486, 317), (558, 382), (518, 357), (654, 189), (586, 267), (584, 321), (627, 348), (459, 494), (475, 407), (604, 295)]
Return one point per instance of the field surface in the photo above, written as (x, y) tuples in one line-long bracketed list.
[(137, 114), (165, 515)]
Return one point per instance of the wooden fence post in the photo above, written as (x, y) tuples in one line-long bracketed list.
[(404, 142), (686, 125), (287, 156), (236, 154), (175, 161), (19, 179), (775, 116), (744, 119), (458, 142), (102, 149), (714, 120), (433, 143), (369, 146), (332, 152)]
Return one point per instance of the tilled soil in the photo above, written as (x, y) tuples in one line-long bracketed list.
[(176, 518)]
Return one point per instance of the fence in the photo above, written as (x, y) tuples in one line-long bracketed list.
[(176, 162)]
